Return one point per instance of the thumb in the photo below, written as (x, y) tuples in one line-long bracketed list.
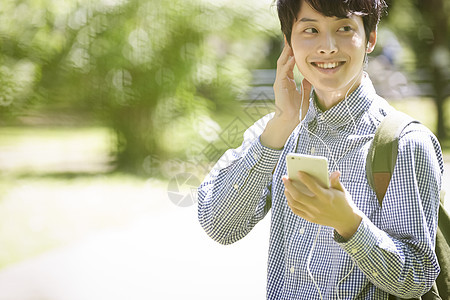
[(335, 182)]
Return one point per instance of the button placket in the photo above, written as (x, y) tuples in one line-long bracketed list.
[(255, 156)]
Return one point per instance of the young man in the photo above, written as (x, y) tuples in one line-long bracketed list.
[(336, 243)]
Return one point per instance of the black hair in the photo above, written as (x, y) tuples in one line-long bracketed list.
[(369, 10)]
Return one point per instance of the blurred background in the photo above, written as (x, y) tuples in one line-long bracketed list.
[(113, 111)]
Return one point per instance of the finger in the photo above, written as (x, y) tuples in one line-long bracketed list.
[(285, 54), (289, 186), (299, 210), (296, 206), (335, 181), (300, 194), (311, 183), (283, 58), (288, 69), (286, 62), (291, 65)]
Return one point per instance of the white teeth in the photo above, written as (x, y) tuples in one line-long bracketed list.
[(328, 65)]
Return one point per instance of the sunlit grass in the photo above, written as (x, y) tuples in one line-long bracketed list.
[(46, 150)]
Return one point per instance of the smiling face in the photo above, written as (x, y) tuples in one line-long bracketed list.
[(329, 52)]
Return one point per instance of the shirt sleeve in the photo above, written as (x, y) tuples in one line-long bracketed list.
[(236, 194), (399, 256)]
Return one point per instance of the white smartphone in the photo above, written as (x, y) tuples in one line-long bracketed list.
[(316, 166)]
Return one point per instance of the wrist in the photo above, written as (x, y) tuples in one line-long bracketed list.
[(284, 126), (286, 116), (349, 228), (277, 132)]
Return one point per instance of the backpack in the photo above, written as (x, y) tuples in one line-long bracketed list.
[(380, 164)]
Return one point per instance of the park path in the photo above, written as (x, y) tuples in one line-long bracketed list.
[(165, 255)]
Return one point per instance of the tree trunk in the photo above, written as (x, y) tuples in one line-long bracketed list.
[(135, 138), (435, 16), (439, 84)]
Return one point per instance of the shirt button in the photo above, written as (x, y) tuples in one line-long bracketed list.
[(255, 156), (292, 270), (302, 230), (321, 117), (236, 186), (375, 274), (354, 251), (313, 150)]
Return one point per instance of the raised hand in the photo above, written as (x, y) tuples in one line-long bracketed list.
[(288, 100)]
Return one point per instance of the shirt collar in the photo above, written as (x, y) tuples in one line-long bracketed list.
[(340, 114)]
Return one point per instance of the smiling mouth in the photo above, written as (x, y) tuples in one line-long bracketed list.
[(328, 65)]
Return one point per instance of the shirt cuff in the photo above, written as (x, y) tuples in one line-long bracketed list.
[(260, 158), (361, 243)]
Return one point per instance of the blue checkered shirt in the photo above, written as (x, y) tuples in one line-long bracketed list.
[(392, 251)]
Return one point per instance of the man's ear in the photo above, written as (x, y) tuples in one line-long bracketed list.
[(372, 41)]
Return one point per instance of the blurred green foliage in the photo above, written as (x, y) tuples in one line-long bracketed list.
[(152, 71), (423, 29), (164, 76)]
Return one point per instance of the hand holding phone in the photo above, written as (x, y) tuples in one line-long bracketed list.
[(334, 208)]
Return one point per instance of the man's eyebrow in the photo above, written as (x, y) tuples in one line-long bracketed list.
[(307, 20), (314, 20)]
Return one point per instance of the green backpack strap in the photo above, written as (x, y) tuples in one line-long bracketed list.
[(380, 165), (382, 154), (443, 252)]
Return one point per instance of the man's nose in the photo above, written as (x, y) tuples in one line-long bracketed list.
[(328, 45)]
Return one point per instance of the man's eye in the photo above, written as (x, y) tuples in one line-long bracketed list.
[(311, 30), (345, 28)]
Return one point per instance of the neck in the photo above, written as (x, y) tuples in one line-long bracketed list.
[(328, 99)]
